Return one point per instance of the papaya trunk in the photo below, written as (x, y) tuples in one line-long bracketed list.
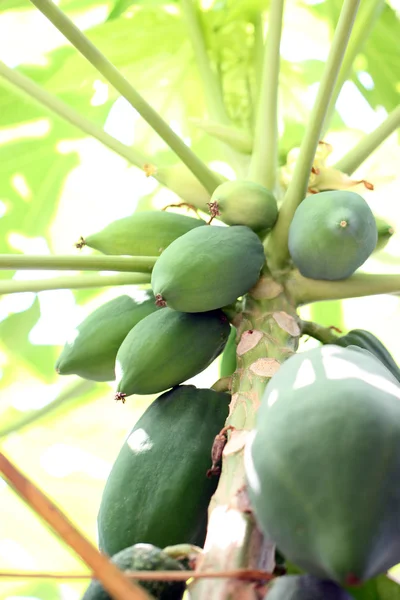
[(268, 333)]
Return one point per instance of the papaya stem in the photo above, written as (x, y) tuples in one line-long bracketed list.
[(258, 52), (116, 79), (264, 158), (74, 282), (325, 335), (138, 264), (115, 582), (277, 247), (365, 147)]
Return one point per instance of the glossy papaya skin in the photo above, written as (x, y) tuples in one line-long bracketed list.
[(167, 348), (305, 587), (145, 233), (245, 203), (228, 359), (368, 341), (385, 232), (157, 491), (323, 464), (143, 557), (331, 235), (208, 268), (91, 353)]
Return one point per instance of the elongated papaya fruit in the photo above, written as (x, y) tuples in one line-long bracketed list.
[(323, 464), (385, 232), (145, 233), (368, 341), (305, 587), (143, 557), (167, 348), (157, 491), (228, 358), (208, 268), (93, 346), (245, 203)]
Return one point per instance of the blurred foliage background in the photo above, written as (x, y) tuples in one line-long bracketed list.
[(57, 184)]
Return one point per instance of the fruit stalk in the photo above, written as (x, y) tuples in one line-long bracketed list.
[(138, 264), (268, 333)]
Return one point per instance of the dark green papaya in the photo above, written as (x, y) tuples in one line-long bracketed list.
[(331, 235), (305, 587), (368, 341), (324, 461), (385, 232), (208, 268), (157, 491), (143, 557), (145, 233), (228, 358), (167, 348), (93, 346), (245, 203)]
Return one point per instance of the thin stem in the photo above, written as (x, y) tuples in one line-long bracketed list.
[(258, 52), (368, 14), (264, 159), (278, 243), (357, 155), (109, 575), (305, 290), (140, 264), (114, 77), (75, 282), (325, 335)]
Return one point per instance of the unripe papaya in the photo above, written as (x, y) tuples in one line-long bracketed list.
[(305, 587), (145, 233), (167, 348), (228, 358), (331, 235), (208, 268), (385, 232), (323, 464), (157, 491), (245, 203), (143, 557), (93, 346)]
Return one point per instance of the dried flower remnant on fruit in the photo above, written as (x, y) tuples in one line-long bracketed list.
[(160, 301), (218, 446), (80, 243), (120, 396), (214, 211)]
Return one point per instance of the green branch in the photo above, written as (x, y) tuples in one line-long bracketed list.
[(356, 156), (325, 335), (74, 282), (264, 159), (258, 52), (114, 77), (140, 264), (277, 247), (305, 291)]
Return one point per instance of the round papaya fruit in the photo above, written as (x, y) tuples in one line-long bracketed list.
[(92, 348), (157, 491), (245, 203), (143, 557), (145, 233), (208, 268), (331, 235), (323, 463), (167, 348), (305, 587)]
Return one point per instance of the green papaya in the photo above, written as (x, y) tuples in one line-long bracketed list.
[(323, 464), (305, 587), (368, 341), (331, 235), (92, 348), (208, 268), (143, 557), (385, 232), (157, 491), (228, 358), (145, 233), (245, 203), (167, 348)]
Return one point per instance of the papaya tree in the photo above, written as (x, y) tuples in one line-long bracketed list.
[(280, 480)]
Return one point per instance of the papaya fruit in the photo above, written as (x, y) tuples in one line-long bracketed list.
[(92, 348), (228, 358), (208, 268), (245, 203), (331, 235), (305, 587), (143, 557), (368, 341), (167, 348), (145, 233), (385, 232), (323, 464), (157, 491)]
